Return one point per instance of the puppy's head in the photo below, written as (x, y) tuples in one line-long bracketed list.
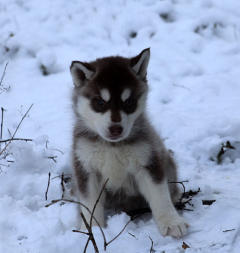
[(110, 93)]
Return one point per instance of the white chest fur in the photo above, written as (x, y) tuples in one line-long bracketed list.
[(113, 162)]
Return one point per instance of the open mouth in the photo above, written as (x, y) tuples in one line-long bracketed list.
[(115, 137), (115, 133)]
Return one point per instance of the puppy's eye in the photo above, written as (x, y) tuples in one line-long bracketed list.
[(98, 104), (130, 105), (129, 102)]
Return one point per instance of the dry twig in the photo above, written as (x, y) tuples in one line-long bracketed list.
[(3, 74), (19, 124), (208, 202), (181, 204), (46, 193), (54, 149), (16, 139), (229, 230), (180, 182), (89, 226), (95, 205), (132, 235), (152, 250), (62, 185), (225, 146), (91, 237), (2, 88), (82, 205), (1, 134), (53, 158), (185, 246)]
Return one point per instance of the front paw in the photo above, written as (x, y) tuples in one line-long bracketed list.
[(174, 226)]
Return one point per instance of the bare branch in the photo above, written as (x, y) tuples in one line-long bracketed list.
[(181, 204), (46, 193), (78, 231), (19, 124), (3, 74), (81, 204), (85, 248), (185, 246), (54, 149), (59, 176), (89, 226), (62, 185), (152, 250), (53, 158), (99, 196), (132, 235), (15, 139), (229, 230), (115, 237), (180, 182), (91, 237), (1, 134), (2, 87), (10, 134)]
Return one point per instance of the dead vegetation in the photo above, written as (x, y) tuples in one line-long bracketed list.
[(8, 141), (4, 88), (4, 153), (185, 200), (224, 147), (89, 225)]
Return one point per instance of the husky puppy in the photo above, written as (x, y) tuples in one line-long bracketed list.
[(113, 139)]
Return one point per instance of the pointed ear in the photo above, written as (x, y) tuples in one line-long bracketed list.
[(139, 63), (81, 71)]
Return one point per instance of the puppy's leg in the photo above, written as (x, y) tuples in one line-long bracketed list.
[(158, 196), (89, 188), (171, 175)]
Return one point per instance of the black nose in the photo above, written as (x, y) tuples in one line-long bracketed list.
[(115, 130)]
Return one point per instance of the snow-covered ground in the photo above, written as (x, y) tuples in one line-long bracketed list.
[(194, 104)]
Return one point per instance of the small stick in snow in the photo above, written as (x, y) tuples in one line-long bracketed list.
[(181, 182), (181, 86), (225, 146), (54, 149), (3, 74), (180, 205), (78, 231), (65, 178), (53, 158), (152, 250), (85, 248), (229, 230), (132, 235), (95, 205), (82, 205), (9, 132), (185, 246), (91, 237), (90, 234), (115, 237), (1, 134), (19, 124), (46, 193), (16, 139), (208, 202), (62, 185)]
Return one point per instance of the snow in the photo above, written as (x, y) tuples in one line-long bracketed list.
[(193, 103)]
